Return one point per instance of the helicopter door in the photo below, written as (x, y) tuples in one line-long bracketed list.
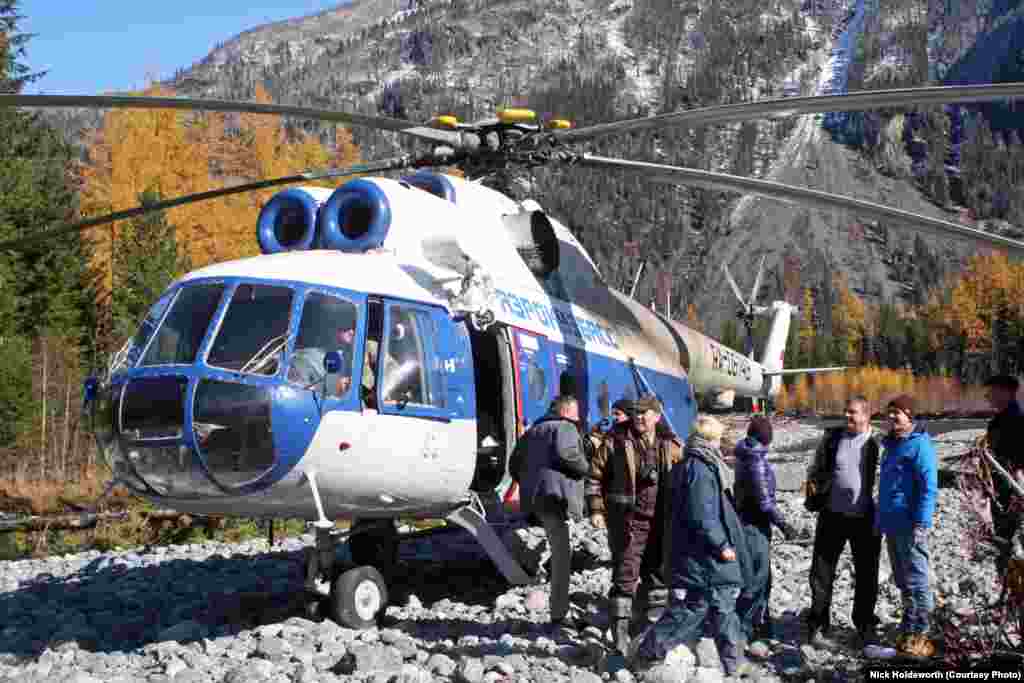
[(535, 375)]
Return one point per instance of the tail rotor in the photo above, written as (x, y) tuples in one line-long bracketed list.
[(748, 307)]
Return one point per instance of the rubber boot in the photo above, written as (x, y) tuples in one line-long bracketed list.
[(657, 602), (621, 611)]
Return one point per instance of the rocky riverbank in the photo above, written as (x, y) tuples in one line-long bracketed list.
[(220, 612)]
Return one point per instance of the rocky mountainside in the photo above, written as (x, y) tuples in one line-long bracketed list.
[(599, 60)]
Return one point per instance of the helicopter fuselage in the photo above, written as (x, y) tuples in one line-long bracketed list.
[(222, 403)]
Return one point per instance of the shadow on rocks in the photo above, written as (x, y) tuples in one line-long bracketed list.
[(123, 603), (120, 604)]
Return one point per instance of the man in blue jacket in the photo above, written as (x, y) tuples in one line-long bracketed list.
[(907, 490)]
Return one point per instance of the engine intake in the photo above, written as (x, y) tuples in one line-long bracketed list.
[(437, 185), (534, 238), (356, 218), (288, 221)]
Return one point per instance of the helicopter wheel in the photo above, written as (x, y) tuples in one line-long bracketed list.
[(358, 596)]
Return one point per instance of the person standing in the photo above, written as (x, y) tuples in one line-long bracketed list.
[(755, 505), (1005, 435), (549, 465), (627, 490), (907, 492), (708, 557), (844, 471)]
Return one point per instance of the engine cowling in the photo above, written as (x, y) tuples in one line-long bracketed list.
[(288, 222), (534, 238), (356, 218)]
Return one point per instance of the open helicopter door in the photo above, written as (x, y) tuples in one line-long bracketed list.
[(425, 395), (534, 377)]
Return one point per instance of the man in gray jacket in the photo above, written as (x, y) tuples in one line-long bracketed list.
[(549, 464)]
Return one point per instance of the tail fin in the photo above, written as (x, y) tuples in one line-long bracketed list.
[(775, 350)]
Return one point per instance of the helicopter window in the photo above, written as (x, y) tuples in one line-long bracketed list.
[(182, 331), (328, 323), (409, 374), (145, 332), (537, 382), (254, 333)]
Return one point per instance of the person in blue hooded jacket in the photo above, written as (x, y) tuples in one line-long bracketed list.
[(755, 505), (907, 491)]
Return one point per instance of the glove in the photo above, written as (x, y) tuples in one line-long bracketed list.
[(920, 535)]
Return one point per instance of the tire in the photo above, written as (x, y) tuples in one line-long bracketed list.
[(357, 597)]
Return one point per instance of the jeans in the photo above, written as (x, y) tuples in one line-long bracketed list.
[(830, 537), (556, 526), (909, 559), (683, 624), (752, 606)]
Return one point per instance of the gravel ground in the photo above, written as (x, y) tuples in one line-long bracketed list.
[(223, 612)]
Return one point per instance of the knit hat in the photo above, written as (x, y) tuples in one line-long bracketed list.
[(761, 429), (903, 403), (646, 403), (625, 405)]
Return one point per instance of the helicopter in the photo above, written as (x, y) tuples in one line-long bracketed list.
[(395, 337)]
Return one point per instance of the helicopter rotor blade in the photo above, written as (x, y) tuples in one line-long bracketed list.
[(409, 128), (757, 283), (789, 106), (800, 195), (79, 226), (735, 287)]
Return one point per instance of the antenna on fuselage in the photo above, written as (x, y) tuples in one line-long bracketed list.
[(636, 280)]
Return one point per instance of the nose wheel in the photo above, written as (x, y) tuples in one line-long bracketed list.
[(356, 595)]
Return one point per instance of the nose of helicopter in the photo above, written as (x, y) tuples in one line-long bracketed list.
[(194, 437)]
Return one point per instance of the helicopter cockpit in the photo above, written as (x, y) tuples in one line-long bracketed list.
[(222, 388)]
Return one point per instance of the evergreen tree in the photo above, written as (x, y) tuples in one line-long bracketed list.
[(42, 290), (146, 259)]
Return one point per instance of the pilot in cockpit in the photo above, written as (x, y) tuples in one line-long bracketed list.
[(307, 365)]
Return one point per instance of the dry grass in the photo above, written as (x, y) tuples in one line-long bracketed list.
[(827, 393), (41, 497)]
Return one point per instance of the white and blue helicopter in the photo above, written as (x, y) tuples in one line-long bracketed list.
[(397, 335)]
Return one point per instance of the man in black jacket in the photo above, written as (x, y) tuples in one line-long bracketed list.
[(844, 472), (1006, 439), (549, 464)]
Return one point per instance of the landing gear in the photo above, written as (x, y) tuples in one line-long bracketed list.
[(375, 544), (357, 596), (351, 595)]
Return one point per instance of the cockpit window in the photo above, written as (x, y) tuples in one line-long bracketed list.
[(254, 333), (145, 331), (183, 329), (411, 373), (328, 324)]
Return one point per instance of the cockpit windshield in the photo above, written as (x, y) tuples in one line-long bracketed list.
[(183, 329), (254, 334)]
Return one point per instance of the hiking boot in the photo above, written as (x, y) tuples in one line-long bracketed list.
[(820, 639), (865, 636), (917, 645)]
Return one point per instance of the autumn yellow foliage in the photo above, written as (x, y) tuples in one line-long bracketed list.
[(177, 153), (827, 393)]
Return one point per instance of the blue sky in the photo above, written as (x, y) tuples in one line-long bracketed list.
[(95, 46)]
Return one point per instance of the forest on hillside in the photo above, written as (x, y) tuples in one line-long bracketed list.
[(65, 308)]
